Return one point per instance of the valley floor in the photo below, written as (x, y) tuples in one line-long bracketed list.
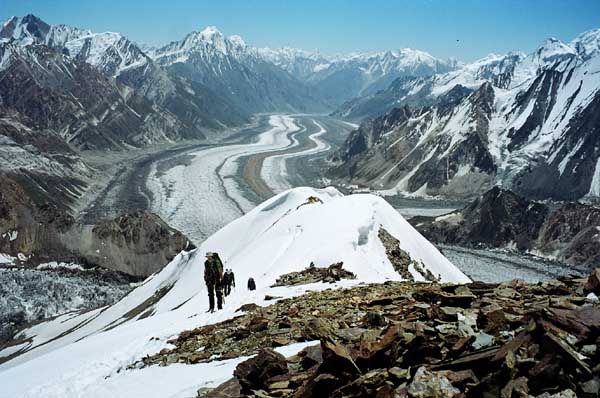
[(203, 189)]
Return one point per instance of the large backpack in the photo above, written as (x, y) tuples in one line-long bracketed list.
[(219, 263)]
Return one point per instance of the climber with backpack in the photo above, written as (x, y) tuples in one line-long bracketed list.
[(213, 277)]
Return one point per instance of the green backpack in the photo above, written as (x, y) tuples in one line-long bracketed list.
[(219, 263)]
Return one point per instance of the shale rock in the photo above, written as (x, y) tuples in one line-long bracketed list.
[(431, 384), (254, 373), (312, 274), (478, 340)]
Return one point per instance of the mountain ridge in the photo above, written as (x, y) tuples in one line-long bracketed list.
[(526, 123)]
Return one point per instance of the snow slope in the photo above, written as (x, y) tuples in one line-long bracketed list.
[(86, 354)]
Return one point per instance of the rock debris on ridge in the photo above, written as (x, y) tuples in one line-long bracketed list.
[(401, 339)]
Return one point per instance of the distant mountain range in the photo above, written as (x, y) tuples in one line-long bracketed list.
[(340, 78), (526, 122), (81, 90)]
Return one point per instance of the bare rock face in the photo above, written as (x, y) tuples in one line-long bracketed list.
[(137, 243), (501, 218), (27, 227), (574, 231), (497, 218), (400, 259)]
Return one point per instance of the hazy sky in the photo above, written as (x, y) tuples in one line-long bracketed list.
[(480, 26)]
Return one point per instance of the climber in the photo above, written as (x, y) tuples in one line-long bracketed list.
[(228, 281), (213, 277), (251, 284)]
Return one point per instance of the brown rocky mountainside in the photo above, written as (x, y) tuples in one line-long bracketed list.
[(137, 243), (43, 89), (502, 219), (401, 339)]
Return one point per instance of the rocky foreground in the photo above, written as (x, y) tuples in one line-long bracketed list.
[(410, 340)]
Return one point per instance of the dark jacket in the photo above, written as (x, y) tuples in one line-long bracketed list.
[(229, 278)]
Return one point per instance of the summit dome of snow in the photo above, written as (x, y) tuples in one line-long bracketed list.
[(206, 43), (290, 232), (81, 354), (587, 44)]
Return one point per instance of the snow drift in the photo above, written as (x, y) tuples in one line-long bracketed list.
[(80, 354)]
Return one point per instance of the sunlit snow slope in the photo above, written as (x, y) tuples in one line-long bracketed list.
[(86, 354)]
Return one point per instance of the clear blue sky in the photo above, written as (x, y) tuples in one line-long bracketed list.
[(481, 26)]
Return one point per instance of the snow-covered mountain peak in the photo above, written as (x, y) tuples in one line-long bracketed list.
[(204, 43), (552, 54), (210, 31), (553, 49), (491, 57), (288, 57), (496, 68), (587, 44), (413, 54), (26, 30), (110, 52), (405, 56), (31, 29), (238, 40), (212, 35)]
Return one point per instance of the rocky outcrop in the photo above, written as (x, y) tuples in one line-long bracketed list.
[(572, 233), (137, 243), (502, 219), (430, 340), (312, 274), (401, 260), (30, 228)]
